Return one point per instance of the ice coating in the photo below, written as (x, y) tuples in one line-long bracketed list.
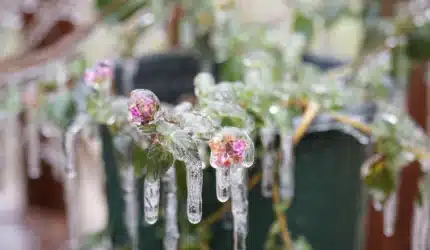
[(143, 107), (268, 136), (231, 146), (286, 170), (194, 190), (171, 231), (34, 169), (239, 198), (223, 183), (131, 216), (390, 215), (151, 196)]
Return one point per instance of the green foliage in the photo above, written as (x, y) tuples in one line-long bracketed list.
[(418, 46), (119, 11), (303, 24)]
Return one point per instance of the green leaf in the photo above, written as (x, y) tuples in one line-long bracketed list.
[(303, 24), (153, 162)]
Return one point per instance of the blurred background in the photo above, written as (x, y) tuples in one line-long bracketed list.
[(47, 32)]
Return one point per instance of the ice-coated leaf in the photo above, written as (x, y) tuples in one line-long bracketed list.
[(220, 110), (183, 147), (153, 162), (197, 124)]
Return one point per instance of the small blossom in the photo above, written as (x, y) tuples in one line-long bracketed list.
[(99, 74), (230, 150), (143, 106)]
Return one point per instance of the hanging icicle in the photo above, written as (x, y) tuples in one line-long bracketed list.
[(171, 231), (222, 183), (151, 199), (421, 220), (239, 199), (268, 136), (131, 214), (32, 131), (194, 194), (286, 170), (390, 215), (70, 180)]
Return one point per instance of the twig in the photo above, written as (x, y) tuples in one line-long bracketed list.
[(310, 113), (282, 219)]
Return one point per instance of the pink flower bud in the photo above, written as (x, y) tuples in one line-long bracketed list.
[(143, 106)]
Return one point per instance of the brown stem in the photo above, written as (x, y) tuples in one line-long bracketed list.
[(282, 219), (310, 113)]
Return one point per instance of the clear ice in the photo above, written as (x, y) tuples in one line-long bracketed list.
[(171, 231), (131, 214), (390, 215), (194, 186), (268, 136), (151, 199), (222, 183), (70, 179), (286, 170), (239, 198), (32, 132)]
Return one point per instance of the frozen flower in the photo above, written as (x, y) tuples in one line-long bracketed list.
[(99, 74), (143, 106), (231, 146)]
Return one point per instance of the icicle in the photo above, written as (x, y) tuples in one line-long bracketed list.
[(194, 186), (421, 220), (187, 36), (151, 200), (222, 183), (32, 132), (71, 185), (171, 231), (269, 161), (131, 214), (286, 174), (61, 76), (239, 197), (203, 151), (377, 205), (390, 215)]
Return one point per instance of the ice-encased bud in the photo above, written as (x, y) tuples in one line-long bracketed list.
[(231, 146), (143, 107)]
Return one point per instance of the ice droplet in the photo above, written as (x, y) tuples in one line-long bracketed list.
[(286, 170), (194, 186), (151, 199), (222, 183), (131, 214), (239, 197), (171, 231), (390, 214)]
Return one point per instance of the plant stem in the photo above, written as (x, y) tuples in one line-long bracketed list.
[(310, 113), (282, 219)]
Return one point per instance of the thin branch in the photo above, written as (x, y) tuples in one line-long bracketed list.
[(310, 113), (282, 219)]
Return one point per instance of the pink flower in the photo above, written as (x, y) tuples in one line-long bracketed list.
[(143, 106), (100, 73), (230, 150)]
